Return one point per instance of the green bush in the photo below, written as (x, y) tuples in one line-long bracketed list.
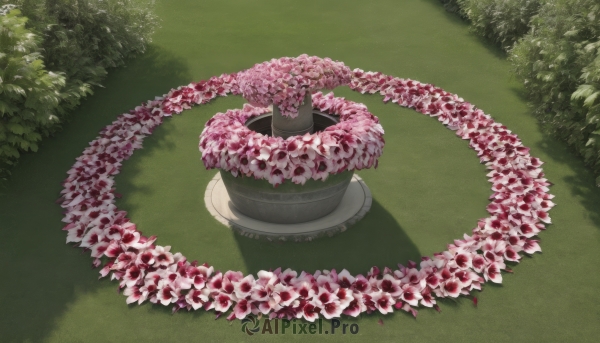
[(502, 21), (454, 6), (29, 95), (559, 64), (83, 38), (76, 41)]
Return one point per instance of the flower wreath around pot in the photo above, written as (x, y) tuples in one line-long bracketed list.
[(356, 142)]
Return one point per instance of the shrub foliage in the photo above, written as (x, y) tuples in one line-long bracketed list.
[(559, 63), (554, 48), (77, 41), (29, 95), (502, 21), (455, 6), (82, 38)]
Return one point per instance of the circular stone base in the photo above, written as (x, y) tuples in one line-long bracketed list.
[(354, 205)]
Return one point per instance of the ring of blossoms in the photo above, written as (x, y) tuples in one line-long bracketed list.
[(150, 272), (352, 144)]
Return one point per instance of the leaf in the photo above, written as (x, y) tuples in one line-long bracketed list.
[(589, 101), (14, 89), (5, 108), (571, 33), (16, 128), (590, 141), (33, 136), (583, 91), (10, 151)]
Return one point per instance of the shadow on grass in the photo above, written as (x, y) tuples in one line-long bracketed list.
[(581, 182), (48, 276), (492, 47), (162, 138), (377, 240)]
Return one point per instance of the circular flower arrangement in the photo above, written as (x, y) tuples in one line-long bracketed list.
[(146, 271), (352, 144), (284, 82)]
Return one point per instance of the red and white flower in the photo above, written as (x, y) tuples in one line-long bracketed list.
[(356, 306), (222, 302), (162, 256), (243, 288), (329, 303), (197, 298), (383, 302), (242, 308)]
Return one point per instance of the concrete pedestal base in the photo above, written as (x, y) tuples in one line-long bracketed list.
[(354, 205)]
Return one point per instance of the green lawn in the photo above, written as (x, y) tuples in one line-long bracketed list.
[(428, 190)]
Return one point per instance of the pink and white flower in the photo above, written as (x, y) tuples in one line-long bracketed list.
[(383, 302), (197, 298), (162, 256), (411, 295), (329, 303), (166, 293), (222, 302), (242, 308), (243, 288), (285, 294), (356, 306), (310, 312)]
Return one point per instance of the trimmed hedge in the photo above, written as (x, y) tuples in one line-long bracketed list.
[(83, 38), (455, 6), (79, 40), (502, 21), (554, 48), (29, 95), (559, 64)]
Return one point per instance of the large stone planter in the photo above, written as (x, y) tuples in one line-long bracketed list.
[(289, 203)]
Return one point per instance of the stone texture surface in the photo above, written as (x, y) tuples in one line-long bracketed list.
[(289, 203), (286, 127), (354, 206)]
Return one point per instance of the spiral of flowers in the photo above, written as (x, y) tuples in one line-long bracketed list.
[(284, 82), (150, 272), (352, 144)]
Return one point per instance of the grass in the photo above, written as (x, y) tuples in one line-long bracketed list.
[(428, 190)]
